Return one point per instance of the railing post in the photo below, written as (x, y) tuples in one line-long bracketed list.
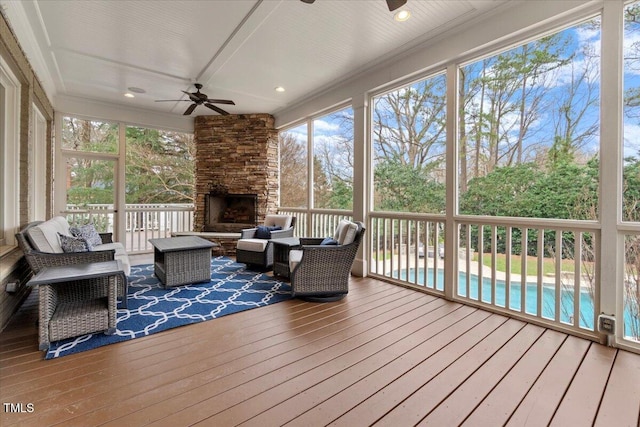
[(361, 177), (451, 207)]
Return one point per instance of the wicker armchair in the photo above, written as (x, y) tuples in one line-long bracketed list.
[(38, 260), (321, 272), (259, 252)]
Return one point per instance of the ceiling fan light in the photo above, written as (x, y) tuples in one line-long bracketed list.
[(129, 95), (402, 15)]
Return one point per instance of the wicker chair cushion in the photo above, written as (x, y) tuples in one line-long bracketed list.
[(120, 254), (347, 233), (254, 245), (343, 223), (295, 256), (73, 244), (283, 221), (44, 237)]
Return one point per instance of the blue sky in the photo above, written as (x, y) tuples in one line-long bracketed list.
[(580, 38)]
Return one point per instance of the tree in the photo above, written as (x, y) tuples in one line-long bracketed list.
[(407, 189), (160, 166), (333, 161), (504, 98), (409, 123), (293, 171)]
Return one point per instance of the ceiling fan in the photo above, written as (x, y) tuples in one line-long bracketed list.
[(391, 4), (199, 98)]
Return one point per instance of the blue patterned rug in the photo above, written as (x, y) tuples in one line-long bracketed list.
[(151, 308)]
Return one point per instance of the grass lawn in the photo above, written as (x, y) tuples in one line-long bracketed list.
[(548, 264)]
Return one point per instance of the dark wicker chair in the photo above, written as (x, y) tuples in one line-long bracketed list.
[(323, 271), (38, 260), (262, 259)]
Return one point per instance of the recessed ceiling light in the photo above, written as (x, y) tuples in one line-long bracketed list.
[(402, 15), (129, 95), (136, 89), (279, 89)]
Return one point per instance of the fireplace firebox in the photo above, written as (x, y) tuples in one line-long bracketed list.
[(230, 212)]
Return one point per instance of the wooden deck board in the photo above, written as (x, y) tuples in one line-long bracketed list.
[(397, 337), (620, 404), (541, 402), (464, 386), (384, 354), (580, 403), (418, 345), (498, 406), (385, 387), (277, 370)]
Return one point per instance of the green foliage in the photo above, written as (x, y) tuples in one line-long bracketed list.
[(342, 195), (631, 190), (160, 166), (503, 192), (565, 190), (403, 188)]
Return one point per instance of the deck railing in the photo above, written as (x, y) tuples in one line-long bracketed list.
[(542, 271), (408, 248), (316, 222), (142, 221)]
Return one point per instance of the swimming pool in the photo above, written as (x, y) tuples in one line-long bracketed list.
[(515, 302)]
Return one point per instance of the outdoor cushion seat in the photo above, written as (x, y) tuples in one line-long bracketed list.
[(40, 244), (253, 247), (43, 237)]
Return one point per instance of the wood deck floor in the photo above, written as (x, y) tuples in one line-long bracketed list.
[(384, 355)]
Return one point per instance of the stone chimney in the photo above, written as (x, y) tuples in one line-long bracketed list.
[(236, 154)]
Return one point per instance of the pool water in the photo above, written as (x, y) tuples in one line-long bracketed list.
[(515, 301)]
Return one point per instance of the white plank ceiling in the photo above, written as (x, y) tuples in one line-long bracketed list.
[(238, 49)]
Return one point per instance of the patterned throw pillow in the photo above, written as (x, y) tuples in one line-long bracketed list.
[(73, 244), (89, 233)]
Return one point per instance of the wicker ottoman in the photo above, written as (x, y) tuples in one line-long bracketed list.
[(182, 260)]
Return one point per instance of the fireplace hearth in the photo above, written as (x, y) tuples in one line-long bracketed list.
[(229, 213)]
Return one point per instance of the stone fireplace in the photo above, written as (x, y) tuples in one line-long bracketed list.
[(230, 212), (236, 171)]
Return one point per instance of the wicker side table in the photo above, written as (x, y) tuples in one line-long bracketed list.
[(281, 248), (72, 301), (182, 260)]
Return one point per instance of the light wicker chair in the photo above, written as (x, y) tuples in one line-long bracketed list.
[(38, 260), (259, 252), (76, 308), (321, 272)]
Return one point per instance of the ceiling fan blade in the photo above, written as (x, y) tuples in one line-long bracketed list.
[(307, 1), (190, 109), (171, 100), (214, 108), (394, 4), (221, 101), (191, 96)]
